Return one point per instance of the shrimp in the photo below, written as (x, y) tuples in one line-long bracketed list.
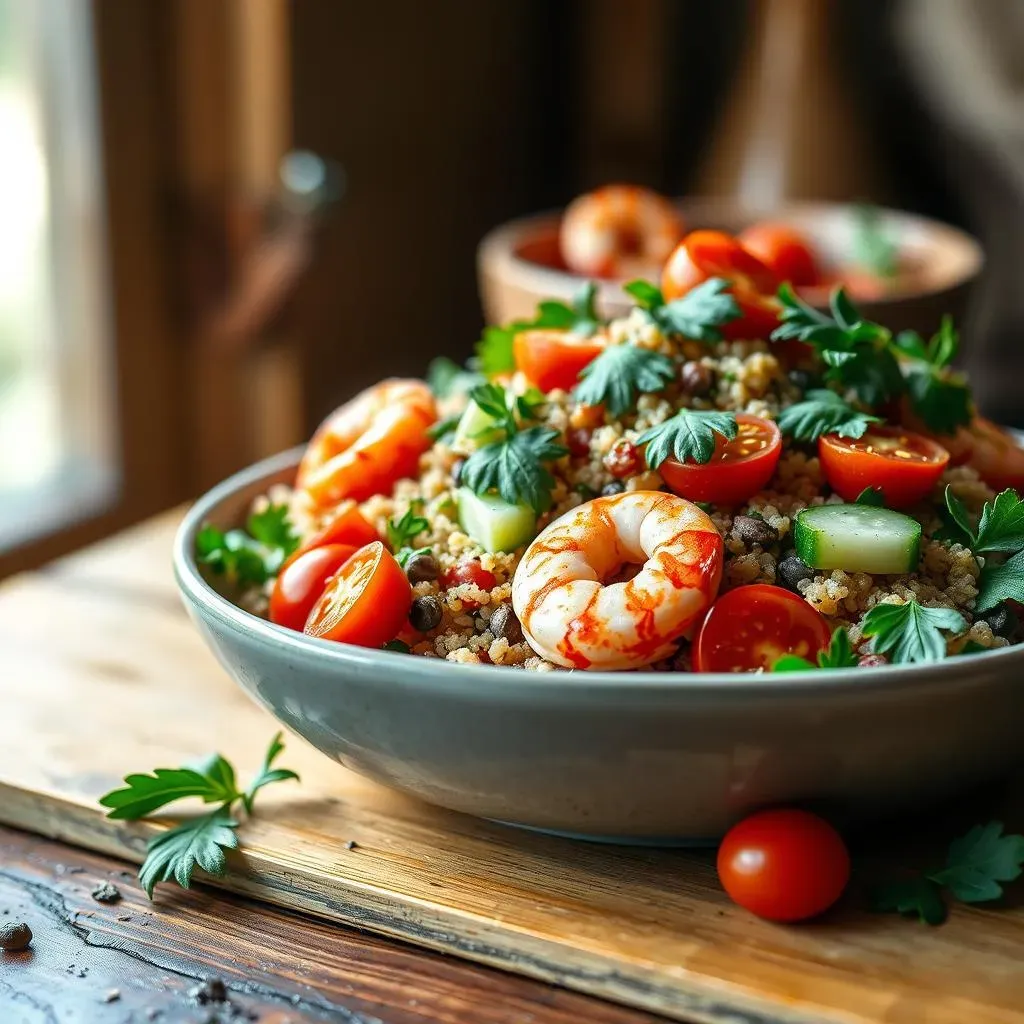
[(577, 606), (619, 231), (367, 445)]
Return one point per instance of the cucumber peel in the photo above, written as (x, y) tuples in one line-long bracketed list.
[(858, 538)]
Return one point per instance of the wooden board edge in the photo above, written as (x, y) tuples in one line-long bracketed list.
[(416, 922)]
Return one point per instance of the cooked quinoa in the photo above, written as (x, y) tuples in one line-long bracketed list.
[(742, 376)]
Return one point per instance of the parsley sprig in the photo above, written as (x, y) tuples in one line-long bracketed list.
[(823, 412), (698, 315), (840, 654), (911, 633), (402, 532), (494, 351), (689, 435), (513, 467), (620, 374), (938, 394), (200, 841), (252, 555), (976, 866)]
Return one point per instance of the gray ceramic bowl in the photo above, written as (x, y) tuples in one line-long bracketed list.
[(654, 757)]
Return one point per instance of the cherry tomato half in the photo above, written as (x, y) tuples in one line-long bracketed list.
[(469, 570), (751, 627), (346, 526), (783, 250), (783, 865), (738, 469), (552, 359), (903, 465), (302, 580), (704, 254), (366, 602), (997, 457)]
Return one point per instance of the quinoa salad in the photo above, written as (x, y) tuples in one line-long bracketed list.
[(724, 479)]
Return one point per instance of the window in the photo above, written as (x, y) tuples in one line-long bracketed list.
[(57, 451)]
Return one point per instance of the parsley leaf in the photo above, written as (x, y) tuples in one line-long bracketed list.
[(937, 394), (252, 555), (1001, 526), (690, 434), (840, 654), (444, 430), (979, 861), (1000, 583), (401, 532), (620, 374), (910, 633), (914, 895), (873, 248), (697, 315), (515, 469), (823, 412), (871, 496), (197, 842)]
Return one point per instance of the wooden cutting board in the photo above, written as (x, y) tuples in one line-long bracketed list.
[(101, 673)]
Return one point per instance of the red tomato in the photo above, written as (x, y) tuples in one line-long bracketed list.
[(738, 469), (704, 254), (997, 457), (783, 250), (346, 526), (751, 627), (469, 571), (903, 465), (552, 358), (301, 581), (366, 602), (784, 865)]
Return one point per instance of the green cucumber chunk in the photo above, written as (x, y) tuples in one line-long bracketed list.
[(474, 430), (859, 538), (493, 522)]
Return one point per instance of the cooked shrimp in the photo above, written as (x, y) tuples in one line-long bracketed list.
[(578, 607), (368, 444), (619, 231)]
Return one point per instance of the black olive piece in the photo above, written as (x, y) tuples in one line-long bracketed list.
[(792, 570), (425, 613)]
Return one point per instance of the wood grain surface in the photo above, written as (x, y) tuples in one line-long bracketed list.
[(101, 673), (108, 963)]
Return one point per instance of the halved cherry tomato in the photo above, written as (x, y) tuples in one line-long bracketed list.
[(705, 254), (346, 526), (366, 602), (302, 580), (751, 627), (784, 864), (997, 457), (783, 250), (903, 465), (738, 469), (552, 359)]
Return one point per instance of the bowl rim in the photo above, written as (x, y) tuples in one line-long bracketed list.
[(443, 675), (498, 247)]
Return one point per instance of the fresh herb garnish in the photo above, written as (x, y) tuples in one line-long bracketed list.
[(1000, 583), (402, 532), (620, 374), (252, 555), (495, 350), (871, 496), (976, 865), (910, 633), (840, 654), (201, 841), (697, 315), (514, 467), (823, 412), (446, 377), (938, 394), (444, 429), (688, 435), (873, 248)]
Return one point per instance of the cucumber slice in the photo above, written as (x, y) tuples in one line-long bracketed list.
[(474, 430), (860, 538), (493, 522)]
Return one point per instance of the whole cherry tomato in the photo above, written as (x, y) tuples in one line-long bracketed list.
[(783, 250), (783, 865), (552, 359), (751, 627), (705, 254), (366, 602), (301, 581), (738, 469), (903, 465)]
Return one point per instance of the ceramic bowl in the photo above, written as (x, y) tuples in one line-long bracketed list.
[(517, 263), (645, 756)]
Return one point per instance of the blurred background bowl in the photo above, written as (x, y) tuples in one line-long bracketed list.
[(519, 263)]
